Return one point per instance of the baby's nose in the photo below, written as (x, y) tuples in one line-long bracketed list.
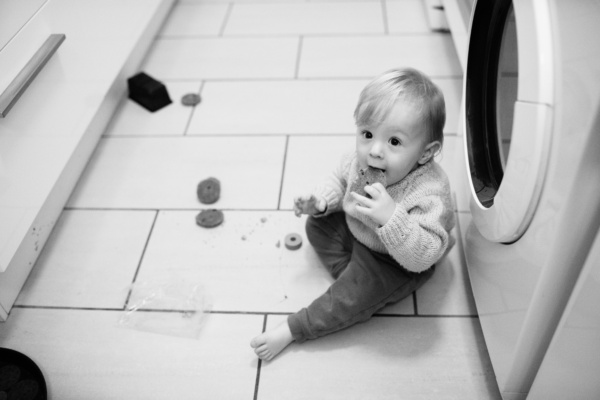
[(376, 150)]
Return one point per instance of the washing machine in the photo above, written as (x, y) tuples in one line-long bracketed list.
[(531, 132)]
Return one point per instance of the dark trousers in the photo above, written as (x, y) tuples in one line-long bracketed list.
[(365, 281)]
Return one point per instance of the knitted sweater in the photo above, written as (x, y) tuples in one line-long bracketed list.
[(418, 233)]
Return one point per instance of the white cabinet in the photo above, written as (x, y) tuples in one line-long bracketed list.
[(14, 15), (49, 134)]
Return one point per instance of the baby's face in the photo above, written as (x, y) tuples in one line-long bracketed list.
[(394, 146)]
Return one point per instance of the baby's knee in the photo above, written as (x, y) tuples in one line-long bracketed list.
[(311, 225), (316, 230)]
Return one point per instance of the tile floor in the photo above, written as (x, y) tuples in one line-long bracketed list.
[(278, 80)]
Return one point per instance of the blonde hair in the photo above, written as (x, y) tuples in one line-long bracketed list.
[(379, 96)]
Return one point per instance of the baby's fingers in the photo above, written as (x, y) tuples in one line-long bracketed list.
[(363, 210), (299, 205), (362, 200), (373, 191)]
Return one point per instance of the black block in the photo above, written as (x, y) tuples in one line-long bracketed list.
[(148, 92)]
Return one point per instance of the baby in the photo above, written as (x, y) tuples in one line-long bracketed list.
[(382, 220)]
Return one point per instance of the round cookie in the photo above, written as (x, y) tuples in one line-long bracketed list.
[(369, 176), (209, 191), (190, 99), (210, 218)]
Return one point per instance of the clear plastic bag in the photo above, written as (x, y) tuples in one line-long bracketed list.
[(176, 309)]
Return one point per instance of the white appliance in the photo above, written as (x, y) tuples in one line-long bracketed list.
[(532, 99), (571, 365)]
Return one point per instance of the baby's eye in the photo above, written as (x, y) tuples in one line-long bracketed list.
[(395, 142), (367, 134)]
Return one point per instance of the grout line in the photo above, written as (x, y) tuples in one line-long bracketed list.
[(295, 34), (298, 57), (225, 20), (425, 316), (259, 366), (292, 78), (386, 29), (234, 135), (258, 369), (285, 153), (415, 303), (137, 270), (177, 209), (265, 314), (239, 135), (65, 308)]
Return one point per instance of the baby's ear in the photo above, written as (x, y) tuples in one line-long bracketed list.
[(430, 151)]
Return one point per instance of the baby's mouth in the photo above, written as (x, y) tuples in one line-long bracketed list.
[(377, 169)]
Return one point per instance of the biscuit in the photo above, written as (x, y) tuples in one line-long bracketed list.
[(209, 191), (369, 176), (209, 218)]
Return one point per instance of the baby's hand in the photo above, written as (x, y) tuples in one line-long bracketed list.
[(380, 207), (310, 205)]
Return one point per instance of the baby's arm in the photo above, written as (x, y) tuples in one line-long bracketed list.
[(309, 204), (418, 238)]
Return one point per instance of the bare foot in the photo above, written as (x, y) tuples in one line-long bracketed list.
[(270, 343)]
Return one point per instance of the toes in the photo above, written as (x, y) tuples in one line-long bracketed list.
[(264, 354), (261, 350), (257, 341)]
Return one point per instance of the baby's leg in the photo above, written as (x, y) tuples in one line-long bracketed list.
[(332, 241), (370, 282)]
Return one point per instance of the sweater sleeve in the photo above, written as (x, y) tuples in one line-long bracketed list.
[(332, 189), (418, 237)]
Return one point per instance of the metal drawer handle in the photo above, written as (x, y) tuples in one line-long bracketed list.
[(24, 78)]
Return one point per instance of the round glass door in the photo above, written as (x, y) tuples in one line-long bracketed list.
[(508, 112), (492, 86), (507, 85)]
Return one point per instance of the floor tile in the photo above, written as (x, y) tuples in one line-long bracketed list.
[(452, 90), (448, 292), (463, 221), (222, 58), (153, 173), (243, 263), (131, 119), (462, 183), (243, 1), (448, 160), (293, 107), (385, 358), (86, 355), (407, 16), (89, 261), (261, 275), (302, 175), (305, 18), (277, 107), (195, 19), (367, 56)]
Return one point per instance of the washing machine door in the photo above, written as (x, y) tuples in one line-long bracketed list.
[(508, 103)]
